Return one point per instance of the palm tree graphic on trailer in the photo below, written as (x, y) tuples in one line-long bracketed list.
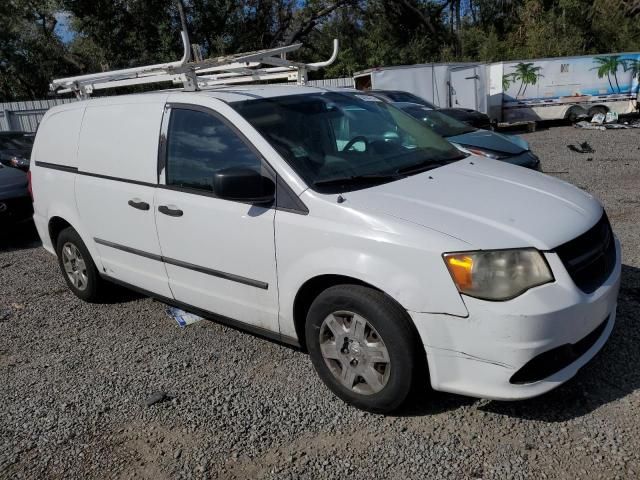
[(526, 73), (609, 66), (632, 65)]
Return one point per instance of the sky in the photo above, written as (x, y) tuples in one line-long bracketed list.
[(63, 27)]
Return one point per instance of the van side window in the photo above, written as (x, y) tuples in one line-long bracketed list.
[(199, 144)]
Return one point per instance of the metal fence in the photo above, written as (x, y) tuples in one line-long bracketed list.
[(332, 82), (25, 116)]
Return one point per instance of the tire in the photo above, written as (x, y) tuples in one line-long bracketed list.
[(339, 349), (574, 114), (76, 263), (597, 109)]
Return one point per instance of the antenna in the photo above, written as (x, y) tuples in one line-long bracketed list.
[(194, 75)]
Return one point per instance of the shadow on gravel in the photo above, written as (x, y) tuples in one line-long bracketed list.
[(24, 236), (117, 294), (611, 375), (427, 402), (19, 237)]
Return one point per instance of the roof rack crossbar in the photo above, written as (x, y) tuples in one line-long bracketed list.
[(222, 70)]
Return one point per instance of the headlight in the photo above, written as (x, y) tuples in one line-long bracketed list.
[(498, 274), (483, 153)]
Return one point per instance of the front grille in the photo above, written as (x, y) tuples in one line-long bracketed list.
[(554, 360), (591, 257)]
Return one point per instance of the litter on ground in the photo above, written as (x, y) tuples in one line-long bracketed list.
[(611, 117), (583, 148), (181, 317), (607, 126)]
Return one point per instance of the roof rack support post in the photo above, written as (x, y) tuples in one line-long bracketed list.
[(190, 81), (302, 76), (82, 92)]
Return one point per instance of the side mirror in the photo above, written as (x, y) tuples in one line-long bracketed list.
[(243, 184)]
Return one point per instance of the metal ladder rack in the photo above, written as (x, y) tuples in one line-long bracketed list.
[(194, 75)]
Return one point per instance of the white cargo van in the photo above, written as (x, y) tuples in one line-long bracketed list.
[(333, 221)]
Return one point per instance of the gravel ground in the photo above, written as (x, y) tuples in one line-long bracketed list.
[(75, 379)]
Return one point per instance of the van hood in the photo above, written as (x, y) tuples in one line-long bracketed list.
[(487, 204)]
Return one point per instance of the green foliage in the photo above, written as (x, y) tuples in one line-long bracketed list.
[(30, 52), (110, 34)]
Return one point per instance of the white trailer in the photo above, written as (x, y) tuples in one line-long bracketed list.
[(431, 81), (522, 90)]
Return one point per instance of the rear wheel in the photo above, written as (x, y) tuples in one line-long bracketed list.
[(77, 266), (363, 347), (597, 109)]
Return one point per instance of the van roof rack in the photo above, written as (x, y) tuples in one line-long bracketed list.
[(259, 65)]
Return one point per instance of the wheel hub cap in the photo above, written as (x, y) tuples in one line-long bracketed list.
[(355, 348), (354, 352), (74, 266)]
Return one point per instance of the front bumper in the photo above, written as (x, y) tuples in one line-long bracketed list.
[(479, 355)]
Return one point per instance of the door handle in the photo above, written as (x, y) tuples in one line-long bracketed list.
[(172, 212), (139, 204)]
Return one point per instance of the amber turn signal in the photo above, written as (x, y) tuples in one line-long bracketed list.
[(460, 266)]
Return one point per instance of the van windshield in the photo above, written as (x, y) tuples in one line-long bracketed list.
[(340, 141)]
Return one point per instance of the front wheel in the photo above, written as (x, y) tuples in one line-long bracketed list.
[(363, 347)]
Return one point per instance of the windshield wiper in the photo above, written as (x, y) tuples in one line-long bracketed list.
[(368, 178), (427, 165)]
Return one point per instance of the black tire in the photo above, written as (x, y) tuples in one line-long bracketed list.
[(390, 323), (574, 114), (597, 109), (93, 288)]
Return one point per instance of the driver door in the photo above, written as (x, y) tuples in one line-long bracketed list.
[(219, 254)]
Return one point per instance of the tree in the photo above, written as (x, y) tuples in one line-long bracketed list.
[(30, 51), (111, 34)]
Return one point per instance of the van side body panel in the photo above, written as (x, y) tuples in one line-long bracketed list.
[(56, 144), (399, 258), (117, 158)]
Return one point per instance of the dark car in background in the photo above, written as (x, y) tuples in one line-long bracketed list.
[(464, 115), (468, 116), (15, 149), (507, 148), (15, 200)]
